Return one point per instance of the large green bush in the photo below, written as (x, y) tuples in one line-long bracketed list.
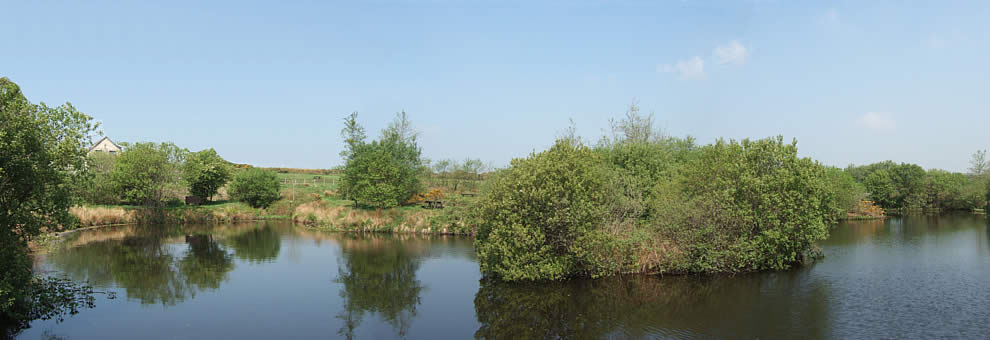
[(539, 217), (755, 205), (726, 207), (258, 188)]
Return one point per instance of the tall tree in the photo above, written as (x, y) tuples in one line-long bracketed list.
[(384, 172), (353, 135), (41, 148), (978, 164)]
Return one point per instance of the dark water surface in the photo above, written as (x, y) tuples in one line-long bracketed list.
[(914, 277)]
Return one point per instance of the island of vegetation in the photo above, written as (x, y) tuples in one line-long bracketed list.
[(637, 200)]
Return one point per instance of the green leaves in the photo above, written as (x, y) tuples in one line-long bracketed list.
[(205, 172), (535, 214), (385, 172), (149, 173), (654, 205), (258, 188), (41, 150)]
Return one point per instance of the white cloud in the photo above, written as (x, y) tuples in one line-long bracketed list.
[(877, 121), (693, 68), (732, 53)]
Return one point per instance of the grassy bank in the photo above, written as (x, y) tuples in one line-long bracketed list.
[(336, 215), (222, 212)]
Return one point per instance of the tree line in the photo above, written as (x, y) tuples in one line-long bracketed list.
[(45, 170), (906, 187), (159, 174)]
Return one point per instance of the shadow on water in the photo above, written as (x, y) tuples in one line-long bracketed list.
[(640, 306)]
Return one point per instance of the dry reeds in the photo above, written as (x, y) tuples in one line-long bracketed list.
[(342, 218), (100, 216)]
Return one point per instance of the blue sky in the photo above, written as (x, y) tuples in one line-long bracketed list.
[(268, 83)]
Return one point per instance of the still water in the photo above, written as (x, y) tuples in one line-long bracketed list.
[(913, 277)]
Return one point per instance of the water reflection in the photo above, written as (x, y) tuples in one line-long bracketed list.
[(753, 306), (256, 245), (906, 277), (378, 274), (205, 264), (152, 265)]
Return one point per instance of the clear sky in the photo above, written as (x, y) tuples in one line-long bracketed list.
[(269, 82)]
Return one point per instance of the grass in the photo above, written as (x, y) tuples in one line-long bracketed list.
[(217, 212), (333, 216), (307, 200)]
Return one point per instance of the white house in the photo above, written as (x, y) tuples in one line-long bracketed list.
[(106, 145)]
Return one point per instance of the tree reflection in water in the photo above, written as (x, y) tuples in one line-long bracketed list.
[(256, 245), (205, 264), (640, 306), (378, 274), (144, 264)]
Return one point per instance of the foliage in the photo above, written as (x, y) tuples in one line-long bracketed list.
[(641, 201), (847, 192), (454, 175), (94, 184), (536, 214), (907, 186), (258, 188), (978, 164), (205, 172), (149, 173), (41, 148), (385, 172), (755, 206)]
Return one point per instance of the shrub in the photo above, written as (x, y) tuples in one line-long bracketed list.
[(257, 188), (205, 172), (535, 215), (149, 173), (754, 206)]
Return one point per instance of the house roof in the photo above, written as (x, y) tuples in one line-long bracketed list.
[(101, 141)]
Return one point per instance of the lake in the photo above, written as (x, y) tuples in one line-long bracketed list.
[(912, 277)]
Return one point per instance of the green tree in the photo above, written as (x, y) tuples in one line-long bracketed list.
[(149, 173), (385, 172), (94, 185), (206, 172), (978, 164), (881, 188), (846, 191), (41, 150), (258, 188)]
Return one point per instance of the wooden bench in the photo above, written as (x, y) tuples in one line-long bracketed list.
[(433, 204), (468, 194)]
